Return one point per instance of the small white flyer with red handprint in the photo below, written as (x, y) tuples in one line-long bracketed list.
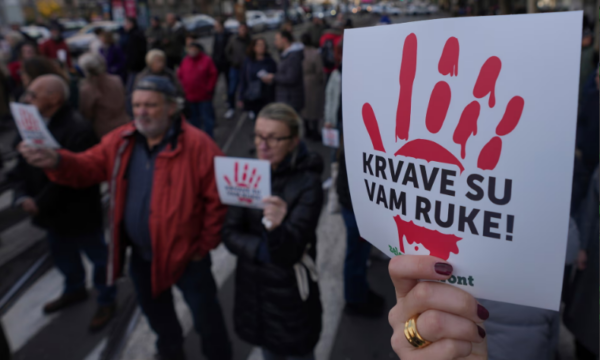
[(32, 128), (331, 137), (243, 182), (459, 140)]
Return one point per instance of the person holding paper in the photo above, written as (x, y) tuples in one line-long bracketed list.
[(72, 217), (277, 305), (254, 93), (433, 320), (289, 78), (165, 205)]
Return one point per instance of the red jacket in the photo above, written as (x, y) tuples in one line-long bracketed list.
[(186, 214), (49, 49), (198, 77)]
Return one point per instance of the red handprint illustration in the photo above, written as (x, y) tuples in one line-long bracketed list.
[(244, 183), (441, 245)]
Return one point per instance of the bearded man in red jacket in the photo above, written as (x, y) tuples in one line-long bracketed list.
[(164, 204)]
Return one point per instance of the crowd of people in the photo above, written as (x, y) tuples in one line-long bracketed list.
[(137, 112)]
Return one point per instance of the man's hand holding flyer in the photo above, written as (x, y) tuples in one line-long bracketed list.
[(32, 128)]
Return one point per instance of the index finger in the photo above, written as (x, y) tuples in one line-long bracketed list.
[(272, 200), (407, 270)]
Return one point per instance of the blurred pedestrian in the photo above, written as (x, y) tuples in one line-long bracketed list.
[(113, 55), (235, 51), (277, 303), (134, 47), (102, 96), (289, 79), (156, 64), (587, 60), (254, 94), (26, 51), (4, 99), (220, 39), (198, 76), (96, 43), (316, 30), (56, 48), (581, 314), (37, 66), (287, 25), (173, 41), (155, 33), (329, 40), (71, 217), (166, 209), (314, 89), (446, 315), (14, 39)]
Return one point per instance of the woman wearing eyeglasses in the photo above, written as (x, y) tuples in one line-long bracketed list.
[(277, 305)]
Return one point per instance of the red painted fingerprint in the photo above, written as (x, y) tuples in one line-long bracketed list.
[(428, 151), (235, 171), (439, 245), (408, 69), (511, 117), (490, 154), (486, 81), (245, 172), (449, 60), (257, 181), (467, 126), (439, 102), (372, 127)]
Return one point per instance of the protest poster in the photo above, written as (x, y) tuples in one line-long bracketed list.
[(31, 127), (459, 143), (243, 182), (331, 137)]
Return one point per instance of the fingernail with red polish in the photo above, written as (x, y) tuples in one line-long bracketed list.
[(482, 312), (481, 332), (443, 268)]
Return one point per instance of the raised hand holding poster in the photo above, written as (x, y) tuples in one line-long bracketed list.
[(243, 182), (31, 127), (462, 138)]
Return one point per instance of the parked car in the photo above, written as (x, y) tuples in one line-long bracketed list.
[(416, 9), (274, 18), (392, 10), (432, 9), (256, 21), (80, 42), (71, 26), (38, 33), (199, 25)]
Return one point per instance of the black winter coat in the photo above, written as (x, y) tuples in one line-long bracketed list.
[(218, 51), (268, 310), (62, 209), (135, 48), (248, 74), (289, 79)]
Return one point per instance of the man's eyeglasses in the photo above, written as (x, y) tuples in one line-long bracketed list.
[(270, 141)]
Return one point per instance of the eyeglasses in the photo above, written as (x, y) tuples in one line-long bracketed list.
[(270, 141)]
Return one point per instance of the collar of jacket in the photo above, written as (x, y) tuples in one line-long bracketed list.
[(59, 115), (293, 47), (174, 147)]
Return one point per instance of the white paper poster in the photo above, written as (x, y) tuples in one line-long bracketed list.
[(459, 140), (243, 182), (31, 127), (331, 137)]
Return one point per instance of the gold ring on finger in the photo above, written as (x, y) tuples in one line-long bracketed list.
[(412, 334)]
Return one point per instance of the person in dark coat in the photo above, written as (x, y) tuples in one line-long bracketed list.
[(235, 51), (133, 43), (258, 60), (72, 217), (277, 305), (220, 40), (173, 42), (155, 33), (289, 78), (581, 314), (113, 55)]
